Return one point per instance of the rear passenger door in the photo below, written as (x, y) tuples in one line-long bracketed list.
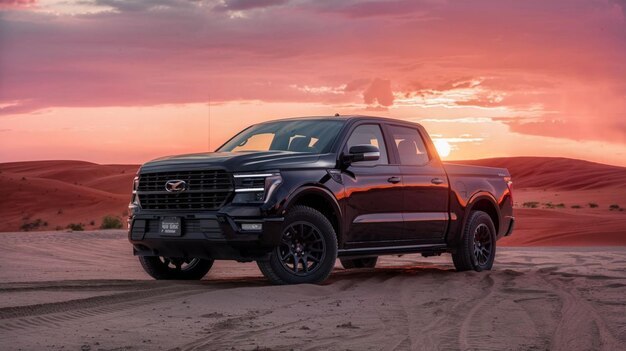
[(425, 186)]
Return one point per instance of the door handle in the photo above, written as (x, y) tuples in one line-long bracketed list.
[(394, 180), (437, 181)]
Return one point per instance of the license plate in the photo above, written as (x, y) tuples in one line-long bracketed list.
[(170, 226)]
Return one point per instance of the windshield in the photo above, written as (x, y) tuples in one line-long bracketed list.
[(311, 136)]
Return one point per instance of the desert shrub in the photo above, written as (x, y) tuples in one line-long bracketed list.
[(34, 225), (614, 207), (561, 205), (548, 205), (92, 222), (60, 211), (110, 222), (77, 227), (593, 205), (576, 206), (531, 204)]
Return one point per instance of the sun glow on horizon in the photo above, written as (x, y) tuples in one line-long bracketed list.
[(443, 147)]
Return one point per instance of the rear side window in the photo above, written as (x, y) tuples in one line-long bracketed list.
[(369, 134), (410, 145)]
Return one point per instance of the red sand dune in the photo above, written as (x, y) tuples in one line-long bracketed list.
[(63, 192), (556, 173), (540, 227)]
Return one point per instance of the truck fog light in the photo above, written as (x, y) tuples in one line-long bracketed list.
[(249, 197), (252, 226)]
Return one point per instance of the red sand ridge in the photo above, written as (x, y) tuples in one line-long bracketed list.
[(62, 192), (556, 173)]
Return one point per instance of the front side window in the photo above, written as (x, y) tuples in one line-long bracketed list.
[(411, 147), (309, 136), (369, 134)]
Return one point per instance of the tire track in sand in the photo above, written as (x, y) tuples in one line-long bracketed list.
[(580, 326), (464, 332), (77, 285), (51, 314)]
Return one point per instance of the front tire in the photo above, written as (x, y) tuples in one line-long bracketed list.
[(366, 262), (307, 252), (478, 245), (166, 268)]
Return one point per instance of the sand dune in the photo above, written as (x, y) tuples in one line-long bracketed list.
[(556, 173), (75, 172), (541, 227), (86, 291), (63, 192)]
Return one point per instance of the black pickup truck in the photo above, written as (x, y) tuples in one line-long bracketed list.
[(296, 194)]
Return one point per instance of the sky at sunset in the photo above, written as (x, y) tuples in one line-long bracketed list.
[(114, 81)]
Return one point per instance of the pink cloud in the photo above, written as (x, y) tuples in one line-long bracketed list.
[(526, 55), (242, 5), (613, 131), (360, 9), (379, 92), (16, 4)]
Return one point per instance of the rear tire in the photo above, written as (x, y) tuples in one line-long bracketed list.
[(165, 268), (307, 252), (367, 262), (478, 245)]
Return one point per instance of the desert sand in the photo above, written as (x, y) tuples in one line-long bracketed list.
[(85, 291), (558, 283)]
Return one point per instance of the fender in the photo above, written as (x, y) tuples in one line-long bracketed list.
[(480, 195), (318, 190)]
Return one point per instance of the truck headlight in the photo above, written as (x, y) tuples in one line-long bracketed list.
[(255, 187), (134, 205)]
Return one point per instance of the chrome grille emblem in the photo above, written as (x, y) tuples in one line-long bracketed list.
[(175, 186)]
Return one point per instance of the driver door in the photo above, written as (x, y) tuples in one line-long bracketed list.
[(374, 197)]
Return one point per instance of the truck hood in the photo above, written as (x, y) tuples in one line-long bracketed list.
[(240, 161)]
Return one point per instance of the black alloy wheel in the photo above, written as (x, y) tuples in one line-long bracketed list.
[(307, 251), (477, 249), (302, 248), (482, 245)]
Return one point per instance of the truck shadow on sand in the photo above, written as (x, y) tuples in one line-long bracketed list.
[(112, 285), (105, 296)]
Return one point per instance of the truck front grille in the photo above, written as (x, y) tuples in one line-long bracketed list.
[(204, 190)]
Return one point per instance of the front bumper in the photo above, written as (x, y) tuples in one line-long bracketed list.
[(208, 235)]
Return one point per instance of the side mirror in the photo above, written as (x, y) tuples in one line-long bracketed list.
[(364, 152)]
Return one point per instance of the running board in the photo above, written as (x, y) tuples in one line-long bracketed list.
[(390, 250)]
